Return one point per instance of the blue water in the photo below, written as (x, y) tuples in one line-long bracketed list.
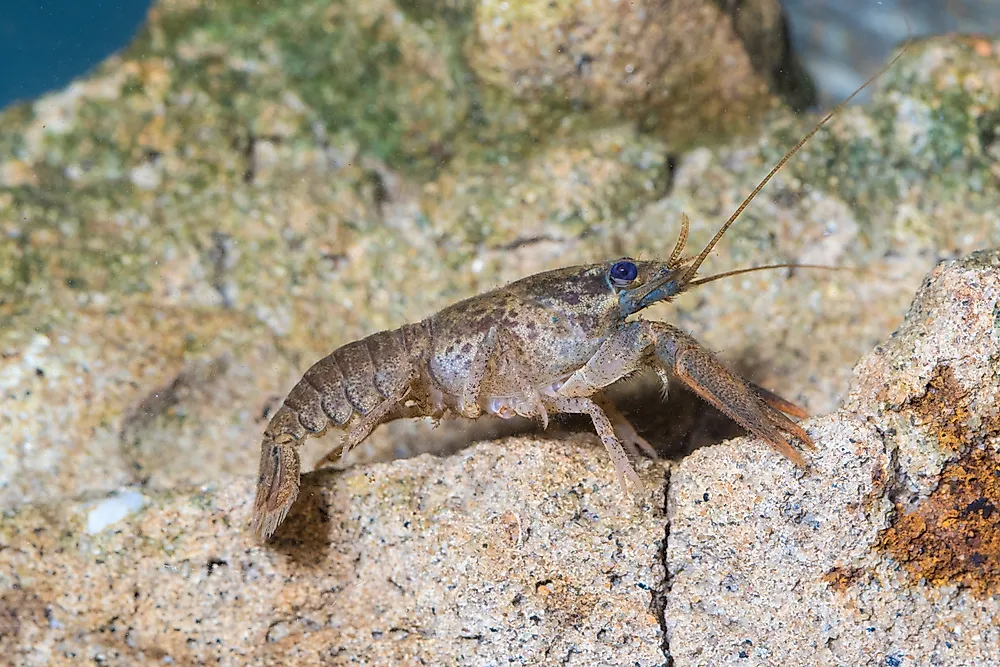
[(45, 44)]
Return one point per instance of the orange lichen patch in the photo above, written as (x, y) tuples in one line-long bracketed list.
[(953, 536), (842, 578), (944, 410), (982, 47)]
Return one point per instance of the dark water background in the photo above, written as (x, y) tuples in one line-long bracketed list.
[(44, 45)]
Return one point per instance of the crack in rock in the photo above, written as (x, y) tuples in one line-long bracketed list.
[(660, 594)]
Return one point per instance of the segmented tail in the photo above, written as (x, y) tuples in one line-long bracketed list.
[(353, 388), (278, 473)]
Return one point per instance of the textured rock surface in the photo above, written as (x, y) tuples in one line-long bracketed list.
[(188, 228), (141, 394), (523, 552), (297, 242), (675, 64), (887, 552)]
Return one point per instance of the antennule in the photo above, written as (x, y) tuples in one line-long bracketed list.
[(681, 240)]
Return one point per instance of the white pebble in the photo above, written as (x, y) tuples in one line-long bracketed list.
[(112, 510)]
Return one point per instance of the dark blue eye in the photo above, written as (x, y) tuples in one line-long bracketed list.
[(624, 272)]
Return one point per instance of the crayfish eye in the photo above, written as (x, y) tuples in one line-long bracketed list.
[(623, 273)]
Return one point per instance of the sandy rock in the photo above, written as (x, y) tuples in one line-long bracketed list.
[(567, 190), (522, 551), (97, 398), (308, 254), (886, 550), (678, 66), (934, 383), (188, 228)]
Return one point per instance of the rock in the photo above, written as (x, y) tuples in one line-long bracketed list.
[(935, 382), (525, 550), (154, 395), (188, 228), (300, 241), (887, 550), (565, 191), (675, 65), (374, 72)]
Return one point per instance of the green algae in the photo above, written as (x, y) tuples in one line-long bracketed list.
[(919, 135)]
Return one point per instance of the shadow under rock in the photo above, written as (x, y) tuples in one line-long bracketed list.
[(675, 427), (305, 535)]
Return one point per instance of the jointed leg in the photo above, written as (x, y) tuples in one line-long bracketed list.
[(623, 427), (497, 349), (386, 411), (673, 353), (605, 431)]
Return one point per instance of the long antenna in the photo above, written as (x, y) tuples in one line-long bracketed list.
[(736, 272), (690, 272)]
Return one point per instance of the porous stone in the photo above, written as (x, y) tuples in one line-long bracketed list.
[(521, 552), (678, 66), (886, 550)]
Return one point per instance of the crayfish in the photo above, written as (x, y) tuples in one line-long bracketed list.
[(548, 343)]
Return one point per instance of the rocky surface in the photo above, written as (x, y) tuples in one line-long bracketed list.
[(677, 64), (522, 551), (189, 227), (526, 550), (888, 550)]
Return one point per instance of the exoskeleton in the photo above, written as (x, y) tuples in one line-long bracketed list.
[(549, 343)]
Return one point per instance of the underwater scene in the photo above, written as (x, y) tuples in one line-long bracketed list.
[(523, 332)]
